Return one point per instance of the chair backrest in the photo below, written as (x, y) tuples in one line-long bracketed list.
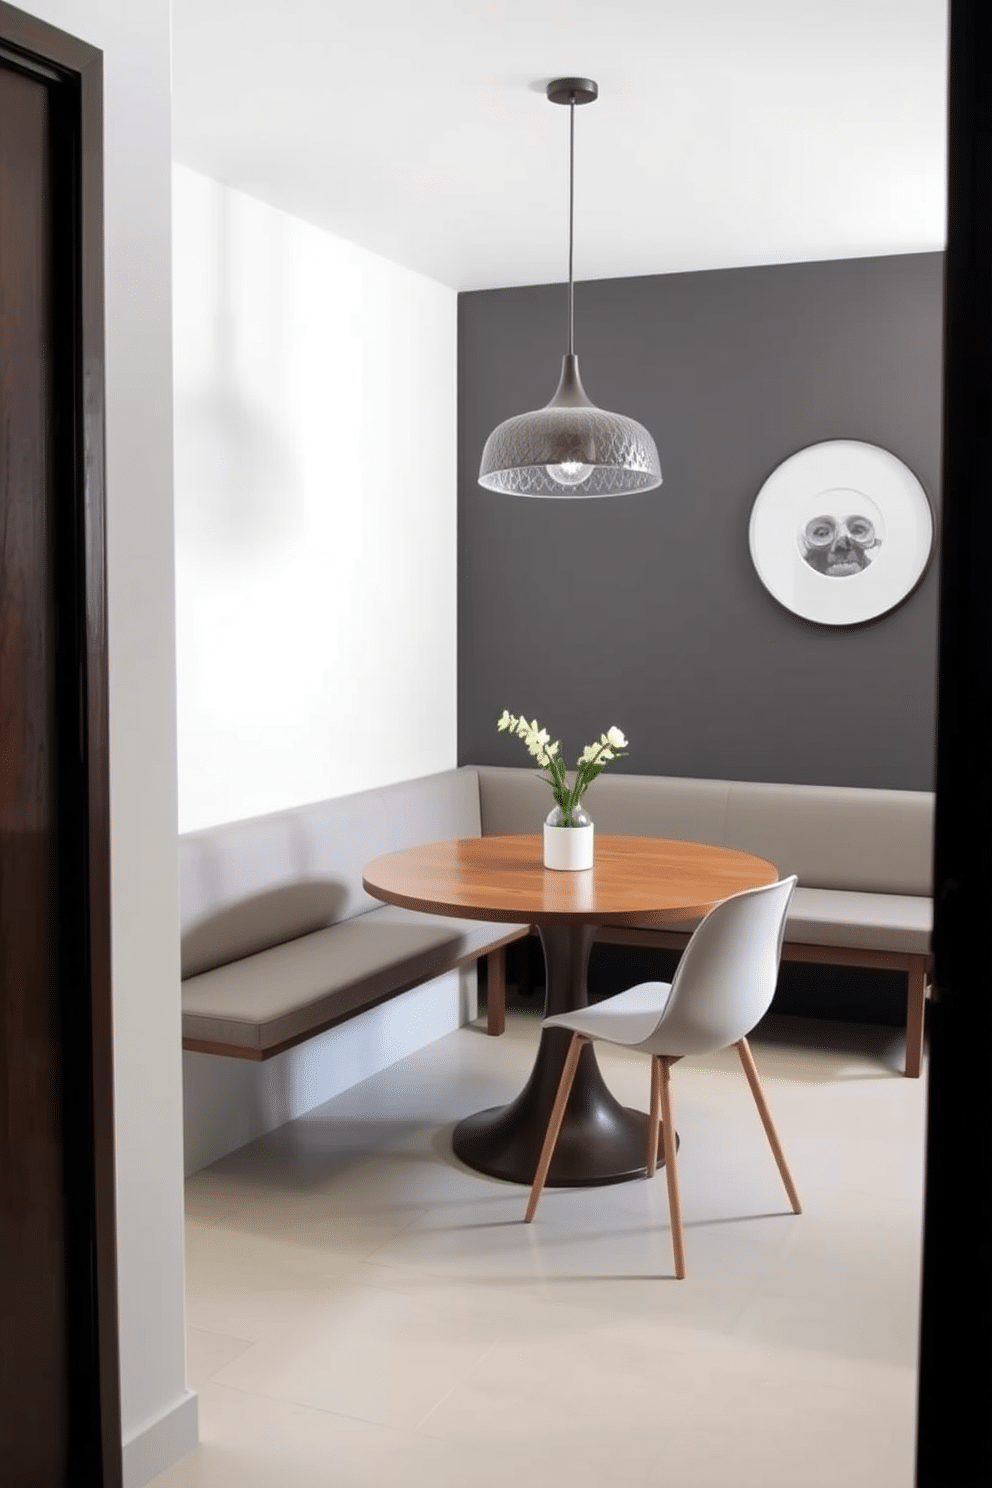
[(726, 978)]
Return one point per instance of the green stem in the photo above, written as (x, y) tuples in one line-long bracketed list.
[(577, 789), (559, 785), (581, 783)]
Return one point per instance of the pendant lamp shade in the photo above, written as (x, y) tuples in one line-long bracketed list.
[(570, 447)]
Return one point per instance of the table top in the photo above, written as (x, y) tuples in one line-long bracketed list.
[(633, 881)]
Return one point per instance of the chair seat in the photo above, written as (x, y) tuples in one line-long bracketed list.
[(627, 1019)]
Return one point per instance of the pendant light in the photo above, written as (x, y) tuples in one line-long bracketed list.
[(570, 447)]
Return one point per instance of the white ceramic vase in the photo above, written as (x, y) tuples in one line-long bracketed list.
[(568, 848)]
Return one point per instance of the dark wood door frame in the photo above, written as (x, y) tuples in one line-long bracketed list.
[(954, 1421), (954, 1436), (74, 72)]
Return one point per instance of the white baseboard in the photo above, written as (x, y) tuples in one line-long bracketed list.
[(151, 1450), (229, 1102)]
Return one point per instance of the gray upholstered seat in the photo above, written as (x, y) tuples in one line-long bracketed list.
[(831, 837), (279, 938), (852, 918), (845, 917), (863, 858), (264, 1001)]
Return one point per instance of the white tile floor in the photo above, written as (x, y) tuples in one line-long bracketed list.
[(362, 1310)]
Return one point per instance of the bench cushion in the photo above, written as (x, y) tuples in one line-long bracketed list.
[(517, 800), (834, 837), (249, 885), (831, 837), (850, 918), (877, 922), (288, 991)]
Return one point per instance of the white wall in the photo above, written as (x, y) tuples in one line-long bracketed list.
[(315, 570), (159, 1415), (315, 511)]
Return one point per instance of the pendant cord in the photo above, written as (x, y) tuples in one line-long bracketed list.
[(571, 221)]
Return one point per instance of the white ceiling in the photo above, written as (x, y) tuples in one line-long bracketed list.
[(727, 132)]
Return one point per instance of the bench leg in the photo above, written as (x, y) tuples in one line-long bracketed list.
[(916, 996), (496, 991)]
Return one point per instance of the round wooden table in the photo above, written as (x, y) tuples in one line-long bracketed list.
[(634, 881)]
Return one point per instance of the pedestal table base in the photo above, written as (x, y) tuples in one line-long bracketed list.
[(601, 1141)]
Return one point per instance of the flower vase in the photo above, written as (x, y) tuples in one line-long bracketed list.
[(568, 847)]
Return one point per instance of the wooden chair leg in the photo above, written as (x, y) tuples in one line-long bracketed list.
[(654, 1119), (916, 999), (496, 992), (671, 1170), (554, 1125), (750, 1070)]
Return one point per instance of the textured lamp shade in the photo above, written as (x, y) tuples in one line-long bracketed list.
[(570, 448)]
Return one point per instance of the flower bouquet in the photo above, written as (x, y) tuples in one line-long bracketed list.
[(567, 814)]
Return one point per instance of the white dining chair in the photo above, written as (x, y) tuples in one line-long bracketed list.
[(723, 986)]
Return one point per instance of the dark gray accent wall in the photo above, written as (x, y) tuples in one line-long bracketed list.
[(645, 611)]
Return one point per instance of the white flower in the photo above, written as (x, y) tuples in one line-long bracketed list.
[(548, 755)]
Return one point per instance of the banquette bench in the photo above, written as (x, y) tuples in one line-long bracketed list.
[(863, 859), (280, 941)]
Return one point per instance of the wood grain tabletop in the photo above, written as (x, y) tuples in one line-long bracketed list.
[(634, 880)]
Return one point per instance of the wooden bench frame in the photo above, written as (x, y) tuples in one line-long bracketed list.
[(917, 968)]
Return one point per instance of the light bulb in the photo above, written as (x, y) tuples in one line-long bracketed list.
[(568, 473)]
